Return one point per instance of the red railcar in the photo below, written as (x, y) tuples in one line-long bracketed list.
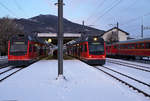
[(90, 49), (25, 49), (130, 49)]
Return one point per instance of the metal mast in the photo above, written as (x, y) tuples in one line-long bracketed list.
[(60, 37)]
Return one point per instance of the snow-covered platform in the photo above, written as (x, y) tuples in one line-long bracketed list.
[(84, 83)]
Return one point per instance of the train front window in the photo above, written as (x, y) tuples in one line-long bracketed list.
[(18, 49), (96, 48)]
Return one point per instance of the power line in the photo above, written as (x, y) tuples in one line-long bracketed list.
[(135, 19), (126, 8), (19, 7), (100, 5), (108, 10), (102, 10), (131, 5), (10, 11)]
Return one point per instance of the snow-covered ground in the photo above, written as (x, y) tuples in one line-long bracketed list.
[(83, 83), (3, 59)]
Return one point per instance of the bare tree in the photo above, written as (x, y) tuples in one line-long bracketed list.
[(8, 27)]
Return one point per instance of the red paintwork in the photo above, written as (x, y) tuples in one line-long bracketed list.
[(85, 55), (33, 55), (142, 52)]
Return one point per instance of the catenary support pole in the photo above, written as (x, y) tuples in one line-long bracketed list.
[(60, 37)]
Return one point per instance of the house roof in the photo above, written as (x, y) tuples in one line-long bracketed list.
[(118, 29)]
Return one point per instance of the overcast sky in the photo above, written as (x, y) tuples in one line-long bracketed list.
[(101, 14)]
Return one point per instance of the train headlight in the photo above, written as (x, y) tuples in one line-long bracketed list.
[(90, 56), (103, 56)]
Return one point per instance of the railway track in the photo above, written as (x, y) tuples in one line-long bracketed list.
[(6, 71), (130, 65), (137, 85), (9, 72), (3, 65)]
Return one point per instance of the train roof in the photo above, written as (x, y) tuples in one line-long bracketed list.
[(83, 38), (133, 41), (30, 37)]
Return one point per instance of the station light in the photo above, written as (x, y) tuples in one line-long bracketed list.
[(95, 39), (36, 44), (49, 40)]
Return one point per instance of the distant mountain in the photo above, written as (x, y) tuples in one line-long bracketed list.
[(48, 23)]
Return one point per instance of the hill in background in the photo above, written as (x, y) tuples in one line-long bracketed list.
[(48, 23)]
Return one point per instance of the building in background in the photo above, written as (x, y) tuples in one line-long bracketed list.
[(114, 35)]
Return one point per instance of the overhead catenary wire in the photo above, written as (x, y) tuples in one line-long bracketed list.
[(101, 10), (130, 5), (10, 11), (95, 10), (126, 8), (19, 7), (134, 19), (107, 11)]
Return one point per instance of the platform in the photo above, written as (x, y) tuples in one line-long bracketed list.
[(83, 83)]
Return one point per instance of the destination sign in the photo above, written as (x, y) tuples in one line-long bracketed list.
[(19, 43)]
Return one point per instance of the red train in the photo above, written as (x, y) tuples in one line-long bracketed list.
[(90, 49), (25, 49), (130, 49)]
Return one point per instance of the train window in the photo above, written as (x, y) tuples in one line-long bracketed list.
[(142, 45), (30, 48), (121, 46), (85, 48), (147, 45), (34, 49), (81, 48), (125, 46), (128, 46), (115, 46), (18, 48), (96, 48), (106, 48), (132, 46), (136, 45)]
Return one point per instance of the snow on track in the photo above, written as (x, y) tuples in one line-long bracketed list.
[(137, 74), (130, 81), (147, 66)]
